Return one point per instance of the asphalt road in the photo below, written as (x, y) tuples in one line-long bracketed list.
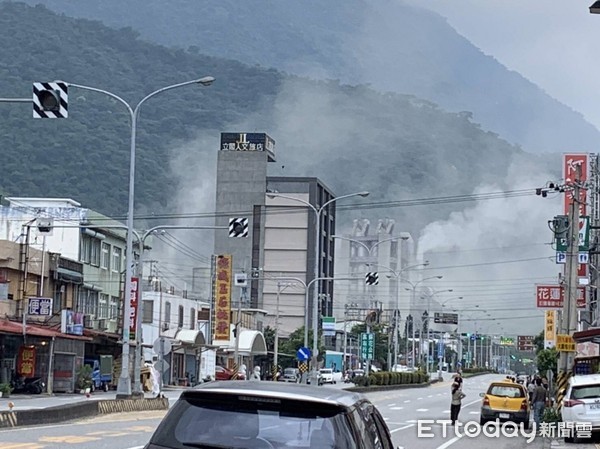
[(403, 411)]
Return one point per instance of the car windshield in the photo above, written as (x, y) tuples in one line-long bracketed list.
[(586, 392), (235, 421), (506, 391), (326, 371)]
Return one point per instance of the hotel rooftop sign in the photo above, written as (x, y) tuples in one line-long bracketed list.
[(248, 142)]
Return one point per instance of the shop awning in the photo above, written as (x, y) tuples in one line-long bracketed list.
[(592, 334), (252, 342), (190, 337), (14, 327)]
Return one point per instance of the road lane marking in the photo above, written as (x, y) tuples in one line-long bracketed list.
[(418, 399), (21, 446), (68, 439), (391, 405), (141, 429), (473, 413), (402, 428), (408, 400), (136, 447), (422, 409), (396, 408), (449, 443)]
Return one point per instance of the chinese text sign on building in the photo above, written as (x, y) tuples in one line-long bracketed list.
[(571, 163), (550, 329), (40, 306), (133, 307), (553, 296), (26, 361), (223, 297)]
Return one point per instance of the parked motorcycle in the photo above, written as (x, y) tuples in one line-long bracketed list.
[(28, 385)]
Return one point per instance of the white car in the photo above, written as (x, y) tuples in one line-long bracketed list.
[(581, 403), (327, 375)]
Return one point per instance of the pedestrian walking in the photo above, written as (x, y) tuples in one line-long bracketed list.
[(539, 398), (456, 402), (255, 374), (531, 389)]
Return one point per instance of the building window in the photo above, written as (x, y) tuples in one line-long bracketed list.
[(113, 311), (85, 251), (116, 259), (88, 302), (180, 318), (167, 318), (95, 252), (105, 256), (147, 311), (192, 318), (103, 306)]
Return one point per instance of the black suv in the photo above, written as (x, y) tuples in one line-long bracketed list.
[(271, 415)]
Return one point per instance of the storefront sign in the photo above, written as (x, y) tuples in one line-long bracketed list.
[(223, 297), (553, 296), (550, 329), (26, 361), (572, 164), (71, 322), (248, 142), (40, 307), (133, 307)]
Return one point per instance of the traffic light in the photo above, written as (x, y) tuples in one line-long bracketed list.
[(238, 227), (372, 278), (50, 100)]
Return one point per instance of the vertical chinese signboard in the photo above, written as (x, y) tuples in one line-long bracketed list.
[(26, 361), (133, 304), (223, 297), (571, 164), (550, 329)]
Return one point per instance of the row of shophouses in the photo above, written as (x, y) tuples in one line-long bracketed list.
[(61, 288)]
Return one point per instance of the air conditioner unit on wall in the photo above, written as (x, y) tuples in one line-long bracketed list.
[(111, 326), (102, 324), (88, 321), (165, 327)]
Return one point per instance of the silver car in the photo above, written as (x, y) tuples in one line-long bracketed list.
[(270, 415)]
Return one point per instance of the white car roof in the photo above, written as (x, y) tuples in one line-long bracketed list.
[(585, 379)]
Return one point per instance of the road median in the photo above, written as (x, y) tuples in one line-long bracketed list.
[(78, 410)]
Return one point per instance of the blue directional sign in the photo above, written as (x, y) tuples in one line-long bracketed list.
[(303, 354)]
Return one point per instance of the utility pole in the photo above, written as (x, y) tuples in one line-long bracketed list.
[(276, 348), (568, 323)]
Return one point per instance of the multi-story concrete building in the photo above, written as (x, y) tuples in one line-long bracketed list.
[(280, 247)]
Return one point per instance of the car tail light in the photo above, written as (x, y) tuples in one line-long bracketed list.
[(486, 401), (524, 404), (572, 402)]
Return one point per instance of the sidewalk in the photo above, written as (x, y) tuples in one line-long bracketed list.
[(40, 401)]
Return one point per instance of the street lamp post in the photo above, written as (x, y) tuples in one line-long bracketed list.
[(396, 274), (315, 351), (124, 383), (414, 286), (435, 292)]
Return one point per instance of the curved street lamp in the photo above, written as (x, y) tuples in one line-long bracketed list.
[(124, 383), (315, 280)]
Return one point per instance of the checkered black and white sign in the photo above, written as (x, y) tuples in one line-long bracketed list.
[(238, 227), (372, 278), (50, 100)]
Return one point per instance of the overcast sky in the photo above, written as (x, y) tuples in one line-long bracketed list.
[(553, 43)]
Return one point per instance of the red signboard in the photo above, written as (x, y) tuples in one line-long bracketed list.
[(553, 296), (223, 297), (571, 164), (26, 361), (133, 307)]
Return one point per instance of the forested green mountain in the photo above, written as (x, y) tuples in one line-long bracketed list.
[(352, 137), (388, 44)]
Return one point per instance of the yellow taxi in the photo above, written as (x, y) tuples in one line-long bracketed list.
[(505, 401)]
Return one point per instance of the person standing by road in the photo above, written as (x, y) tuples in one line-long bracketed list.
[(456, 402), (539, 398)]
